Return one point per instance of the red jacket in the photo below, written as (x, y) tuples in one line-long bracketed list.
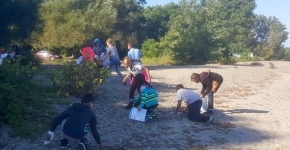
[(88, 54)]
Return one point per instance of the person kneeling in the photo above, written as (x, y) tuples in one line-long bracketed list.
[(193, 104), (148, 97), (76, 122)]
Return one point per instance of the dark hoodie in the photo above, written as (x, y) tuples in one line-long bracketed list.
[(207, 78), (80, 120)]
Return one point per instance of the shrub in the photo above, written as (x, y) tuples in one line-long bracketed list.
[(150, 49), (227, 61), (21, 105), (75, 80), (29, 57)]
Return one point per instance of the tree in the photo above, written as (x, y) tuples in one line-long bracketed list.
[(18, 19), (270, 33), (157, 20), (193, 39), (231, 23)]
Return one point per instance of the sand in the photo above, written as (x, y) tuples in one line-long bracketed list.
[(252, 111)]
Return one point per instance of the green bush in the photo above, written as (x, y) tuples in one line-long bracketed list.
[(29, 57), (21, 105), (227, 61), (75, 80), (150, 49)]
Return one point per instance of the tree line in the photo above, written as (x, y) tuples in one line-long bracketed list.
[(190, 32)]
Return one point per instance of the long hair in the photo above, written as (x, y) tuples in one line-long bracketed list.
[(140, 80)]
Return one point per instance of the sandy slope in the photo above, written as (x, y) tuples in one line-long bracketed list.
[(252, 107)]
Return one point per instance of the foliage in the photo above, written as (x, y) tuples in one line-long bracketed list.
[(191, 32), (21, 103), (75, 80), (157, 20), (270, 34), (150, 48), (227, 61), (162, 60), (18, 19), (29, 58), (193, 40)]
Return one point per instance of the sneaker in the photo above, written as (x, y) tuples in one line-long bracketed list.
[(150, 116), (83, 144), (209, 121), (129, 106), (64, 143)]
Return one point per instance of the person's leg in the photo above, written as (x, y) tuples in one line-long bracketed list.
[(194, 112), (210, 101), (83, 143), (117, 68), (133, 88), (150, 111), (64, 143)]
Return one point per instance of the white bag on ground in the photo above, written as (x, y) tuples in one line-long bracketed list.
[(204, 105), (79, 61), (138, 115)]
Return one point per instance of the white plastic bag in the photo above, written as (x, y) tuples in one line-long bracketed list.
[(79, 61), (204, 105), (138, 115)]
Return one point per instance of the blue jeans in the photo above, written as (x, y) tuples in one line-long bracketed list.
[(194, 112), (117, 69), (210, 99)]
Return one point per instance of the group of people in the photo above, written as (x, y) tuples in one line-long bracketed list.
[(12, 53), (79, 119), (211, 82), (104, 57)]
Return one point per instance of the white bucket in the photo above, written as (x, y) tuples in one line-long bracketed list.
[(204, 105)]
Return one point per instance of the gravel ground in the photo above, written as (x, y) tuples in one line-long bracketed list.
[(252, 112)]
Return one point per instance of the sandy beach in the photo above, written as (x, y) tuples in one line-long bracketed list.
[(252, 111)]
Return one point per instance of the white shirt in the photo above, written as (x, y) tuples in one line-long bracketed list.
[(137, 69), (187, 95)]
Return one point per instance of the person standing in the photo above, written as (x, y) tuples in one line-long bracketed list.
[(113, 55), (134, 54), (133, 72), (211, 82)]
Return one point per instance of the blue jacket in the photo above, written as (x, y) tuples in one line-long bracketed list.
[(80, 120)]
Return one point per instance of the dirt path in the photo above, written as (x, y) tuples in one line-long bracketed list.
[(252, 106)]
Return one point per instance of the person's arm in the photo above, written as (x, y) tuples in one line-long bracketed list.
[(108, 53), (58, 119), (202, 90), (94, 131), (127, 76), (177, 107), (147, 72), (207, 86), (185, 109)]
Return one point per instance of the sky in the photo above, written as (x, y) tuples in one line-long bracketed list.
[(277, 8)]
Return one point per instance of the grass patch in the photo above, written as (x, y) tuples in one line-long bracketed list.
[(163, 60)]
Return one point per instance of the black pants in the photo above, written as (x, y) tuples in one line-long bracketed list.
[(194, 112), (133, 86)]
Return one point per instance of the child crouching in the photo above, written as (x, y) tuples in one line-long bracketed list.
[(148, 98)]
